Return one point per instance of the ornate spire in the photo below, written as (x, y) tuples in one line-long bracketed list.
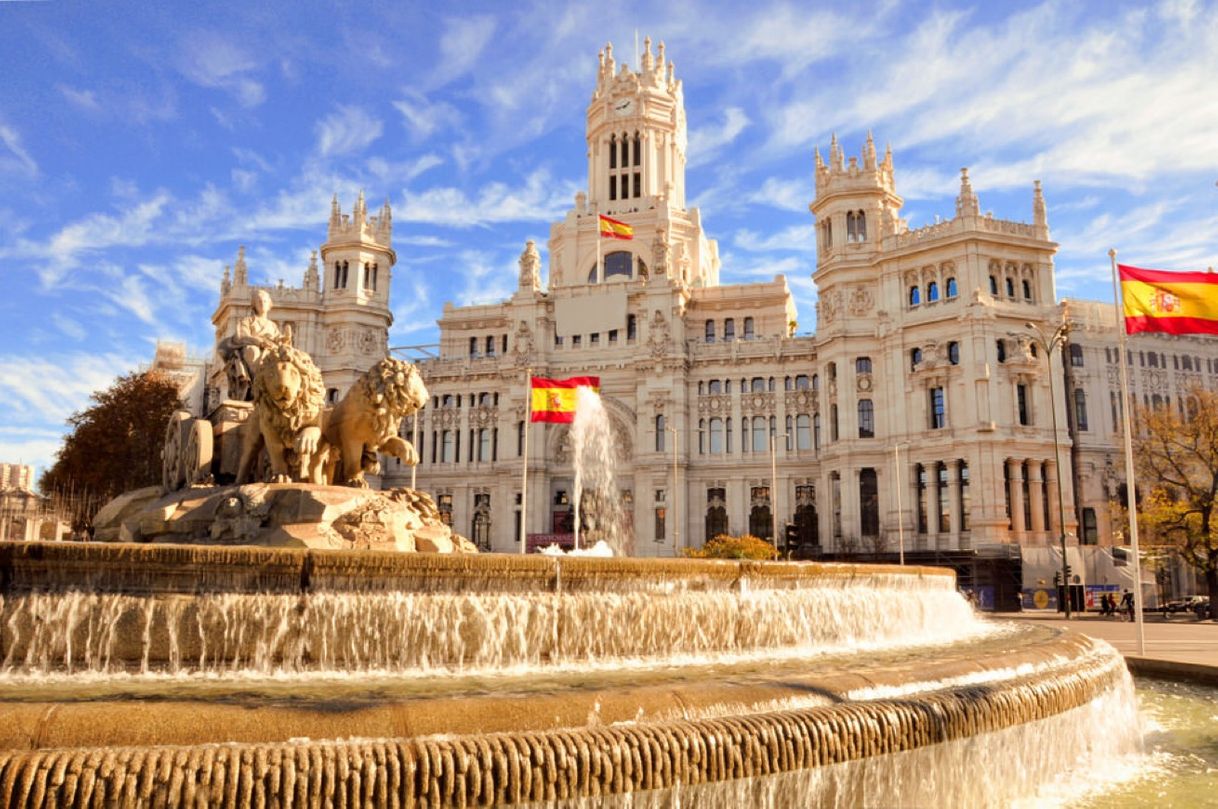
[(888, 157), (311, 278), (967, 203), (869, 153), (1040, 217), (226, 282), (530, 268), (240, 271), (647, 58), (361, 209), (820, 164), (836, 159)]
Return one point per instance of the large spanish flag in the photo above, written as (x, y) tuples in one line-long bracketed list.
[(613, 229), (1171, 302), (554, 399)]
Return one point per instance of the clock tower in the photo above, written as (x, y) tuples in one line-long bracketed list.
[(636, 139)]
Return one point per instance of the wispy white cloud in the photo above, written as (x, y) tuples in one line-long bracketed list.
[(424, 117), (214, 60), (541, 198), (82, 99), (705, 142), (348, 129), (461, 46), (796, 237), (787, 194), (17, 158), (486, 278)]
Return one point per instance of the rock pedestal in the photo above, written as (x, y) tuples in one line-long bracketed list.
[(291, 515)]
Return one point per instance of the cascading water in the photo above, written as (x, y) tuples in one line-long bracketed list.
[(598, 503)]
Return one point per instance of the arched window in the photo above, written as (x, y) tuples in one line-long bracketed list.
[(729, 330), (710, 331), (619, 263), (932, 292), (757, 385), (994, 285), (850, 228), (748, 328), (1027, 290), (1002, 350), (716, 513), (915, 358), (952, 290), (801, 382), (1010, 287), (953, 352), (716, 436), (613, 151), (860, 225), (866, 419), (915, 296), (1080, 409), (714, 386)]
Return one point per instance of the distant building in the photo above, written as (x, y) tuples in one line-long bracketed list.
[(23, 512)]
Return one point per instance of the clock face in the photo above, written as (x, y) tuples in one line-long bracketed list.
[(623, 107)]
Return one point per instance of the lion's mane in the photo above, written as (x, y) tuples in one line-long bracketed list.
[(388, 399), (306, 409)]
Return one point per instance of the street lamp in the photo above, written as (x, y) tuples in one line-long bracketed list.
[(1050, 342)]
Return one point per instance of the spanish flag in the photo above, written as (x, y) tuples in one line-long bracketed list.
[(613, 229), (1171, 302), (554, 399)]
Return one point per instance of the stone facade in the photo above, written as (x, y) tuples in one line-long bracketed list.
[(921, 356)]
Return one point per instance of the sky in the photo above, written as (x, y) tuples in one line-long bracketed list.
[(140, 144)]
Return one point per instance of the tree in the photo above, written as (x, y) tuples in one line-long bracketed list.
[(115, 445), (1177, 465), (725, 546)]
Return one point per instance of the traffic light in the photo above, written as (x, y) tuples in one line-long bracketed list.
[(1067, 573), (791, 534), (1057, 578)]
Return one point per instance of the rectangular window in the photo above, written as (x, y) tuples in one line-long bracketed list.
[(446, 453), (938, 409), (575, 340), (638, 183), (803, 432), (964, 504), (594, 338), (612, 336), (660, 527), (612, 186), (473, 346), (1021, 404), (832, 423), (631, 328), (484, 445), (944, 525), (920, 478)]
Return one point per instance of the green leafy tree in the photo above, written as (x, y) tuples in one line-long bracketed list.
[(1177, 464), (114, 445), (724, 546)]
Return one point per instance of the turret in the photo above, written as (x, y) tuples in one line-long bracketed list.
[(1040, 217), (240, 271), (856, 201), (311, 279), (967, 203), (358, 252)]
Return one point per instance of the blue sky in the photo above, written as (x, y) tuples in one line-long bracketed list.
[(140, 144)]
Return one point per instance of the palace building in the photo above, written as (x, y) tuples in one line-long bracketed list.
[(921, 412)]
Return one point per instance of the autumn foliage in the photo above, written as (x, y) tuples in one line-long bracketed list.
[(115, 445), (724, 546)]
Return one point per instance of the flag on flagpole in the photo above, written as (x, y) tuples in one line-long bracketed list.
[(553, 400), (1170, 302), (613, 229)]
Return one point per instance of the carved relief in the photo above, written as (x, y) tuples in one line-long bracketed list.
[(334, 340), (367, 341), (829, 306), (658, 336), (861, 301)]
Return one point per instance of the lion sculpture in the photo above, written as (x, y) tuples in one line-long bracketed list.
[(288, 395), (367, 421)]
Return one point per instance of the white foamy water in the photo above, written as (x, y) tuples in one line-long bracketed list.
[(598, 501), (272, 634)]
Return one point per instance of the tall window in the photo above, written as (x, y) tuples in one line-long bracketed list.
[(866, 419), (729, 330), (710, 331), (915, 296), (661, 424), (1021, 404), (482, 522), (716, 436), (1076, 355), (1091, 532), (932, 292), (1010, 287), (856, 226), (816, 431), (484, 444), (446, 452), (444, 504), (944, 525), (862, 365), (748, 328), (833, 422), (716, 512), (938, 409), (761, 521), (869, 503), (964, 500), (953, 352), (803, 432), (632, 329), (994, 285), (1002, 350), (1027, 290), (490, 345), (915, 358), (920, 477), (761, 441), (952, 289), (1080, 409)]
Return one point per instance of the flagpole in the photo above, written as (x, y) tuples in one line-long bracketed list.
[(1132, 489), (524, 472), (414, 442)]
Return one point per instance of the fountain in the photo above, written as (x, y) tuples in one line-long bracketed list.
[(287, 644), (594, 459), (166, 675)]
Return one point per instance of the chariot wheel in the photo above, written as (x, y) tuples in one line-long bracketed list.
[(171, 453), (196, 459)]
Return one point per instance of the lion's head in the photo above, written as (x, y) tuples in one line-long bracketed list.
[(395, 389), (289, 387)]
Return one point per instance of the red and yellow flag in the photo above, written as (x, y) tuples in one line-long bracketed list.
[(613, 229), (554, 399), (1171, 302)]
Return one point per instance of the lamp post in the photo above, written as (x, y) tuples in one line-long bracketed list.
[(676, 491), (1052, 341)]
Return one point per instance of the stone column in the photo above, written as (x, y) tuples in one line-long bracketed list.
[(1055, 526), (1015, 474), (953, 503), (1036, 494)]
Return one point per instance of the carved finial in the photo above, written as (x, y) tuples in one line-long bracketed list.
[(647, 58), (836, 159), (820, 164), (967, 203), (660, 55), (226, 282), (888, 157), (311, 279), (530, 267), (240, 271), (672, 72), (869, 153), (1040, 216), (609, 64)]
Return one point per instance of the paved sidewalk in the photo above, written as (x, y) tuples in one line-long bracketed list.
[(1172, 647)]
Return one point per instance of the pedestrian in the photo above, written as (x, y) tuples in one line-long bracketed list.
[(1104, 604), (1127, 604)]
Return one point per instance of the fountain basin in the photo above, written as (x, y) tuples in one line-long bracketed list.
[(531, 679)]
